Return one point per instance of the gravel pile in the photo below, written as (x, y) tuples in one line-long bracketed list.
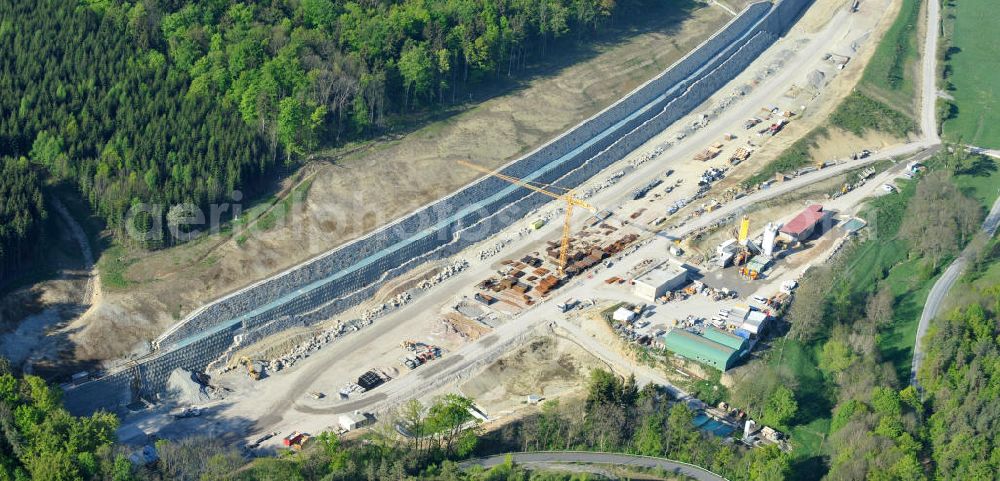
[(184, 387)]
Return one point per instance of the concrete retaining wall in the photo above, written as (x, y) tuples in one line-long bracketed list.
[(581, 142), (348, 275)]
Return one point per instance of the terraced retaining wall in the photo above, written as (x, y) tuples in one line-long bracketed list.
[(346, 276)]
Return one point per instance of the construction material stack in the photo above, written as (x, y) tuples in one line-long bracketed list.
[(740, 155), (420, 354)]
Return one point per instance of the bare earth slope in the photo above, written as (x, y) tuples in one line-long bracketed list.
[(359, 193)]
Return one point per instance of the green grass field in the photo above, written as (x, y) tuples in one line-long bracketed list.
[(884, 100), (984, 275), (890, 76), (112, 266), (794, 157), (812, 422), (911, 284), (972, 73), (981, 182)]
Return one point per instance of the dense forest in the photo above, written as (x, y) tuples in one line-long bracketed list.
[(86, 105), (168, 101), (308, 72), (39, 440), (22, 213), (961, 378)]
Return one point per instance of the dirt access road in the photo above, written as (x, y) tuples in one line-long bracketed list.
[(280, 402), (371, 188), (287, 409)]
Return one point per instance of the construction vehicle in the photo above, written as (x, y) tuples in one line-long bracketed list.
[(568, 197), (838, 60), (567, 305), (261, 439), (642, 191), (188, 412), (749, 274), (252, 370), (776, 127), (420, 358), (422, 353), (295, 440)]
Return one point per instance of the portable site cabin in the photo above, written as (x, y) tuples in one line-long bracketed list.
[(353, 420), (624, 315)]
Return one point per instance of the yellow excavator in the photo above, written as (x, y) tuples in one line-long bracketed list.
[(567, 196), (251, 370)]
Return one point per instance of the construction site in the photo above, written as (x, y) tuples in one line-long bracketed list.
[(556, 272)]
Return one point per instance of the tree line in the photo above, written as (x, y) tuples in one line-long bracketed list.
[(315, 72), (845, 368), (88, 106), (960, 374), (423, 442), (22, 215), (40, 440), (171, 101)]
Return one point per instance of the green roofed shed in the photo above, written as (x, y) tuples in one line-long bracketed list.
[(725, 338), (705, 350)]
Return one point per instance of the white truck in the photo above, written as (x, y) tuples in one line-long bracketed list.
[(567, 305)]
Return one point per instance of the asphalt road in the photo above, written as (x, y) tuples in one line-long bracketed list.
[(544, 458), (287, 408), (799, 182), (290, 408), (941, 288)]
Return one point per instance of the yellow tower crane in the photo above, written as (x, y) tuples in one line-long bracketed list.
[(567, 196)]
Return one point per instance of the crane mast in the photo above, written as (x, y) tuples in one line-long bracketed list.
[(567, 196)]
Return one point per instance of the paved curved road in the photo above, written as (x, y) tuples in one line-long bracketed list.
[(544, 458), (941, 288)]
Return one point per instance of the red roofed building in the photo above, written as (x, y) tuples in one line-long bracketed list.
[(803, 225)]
